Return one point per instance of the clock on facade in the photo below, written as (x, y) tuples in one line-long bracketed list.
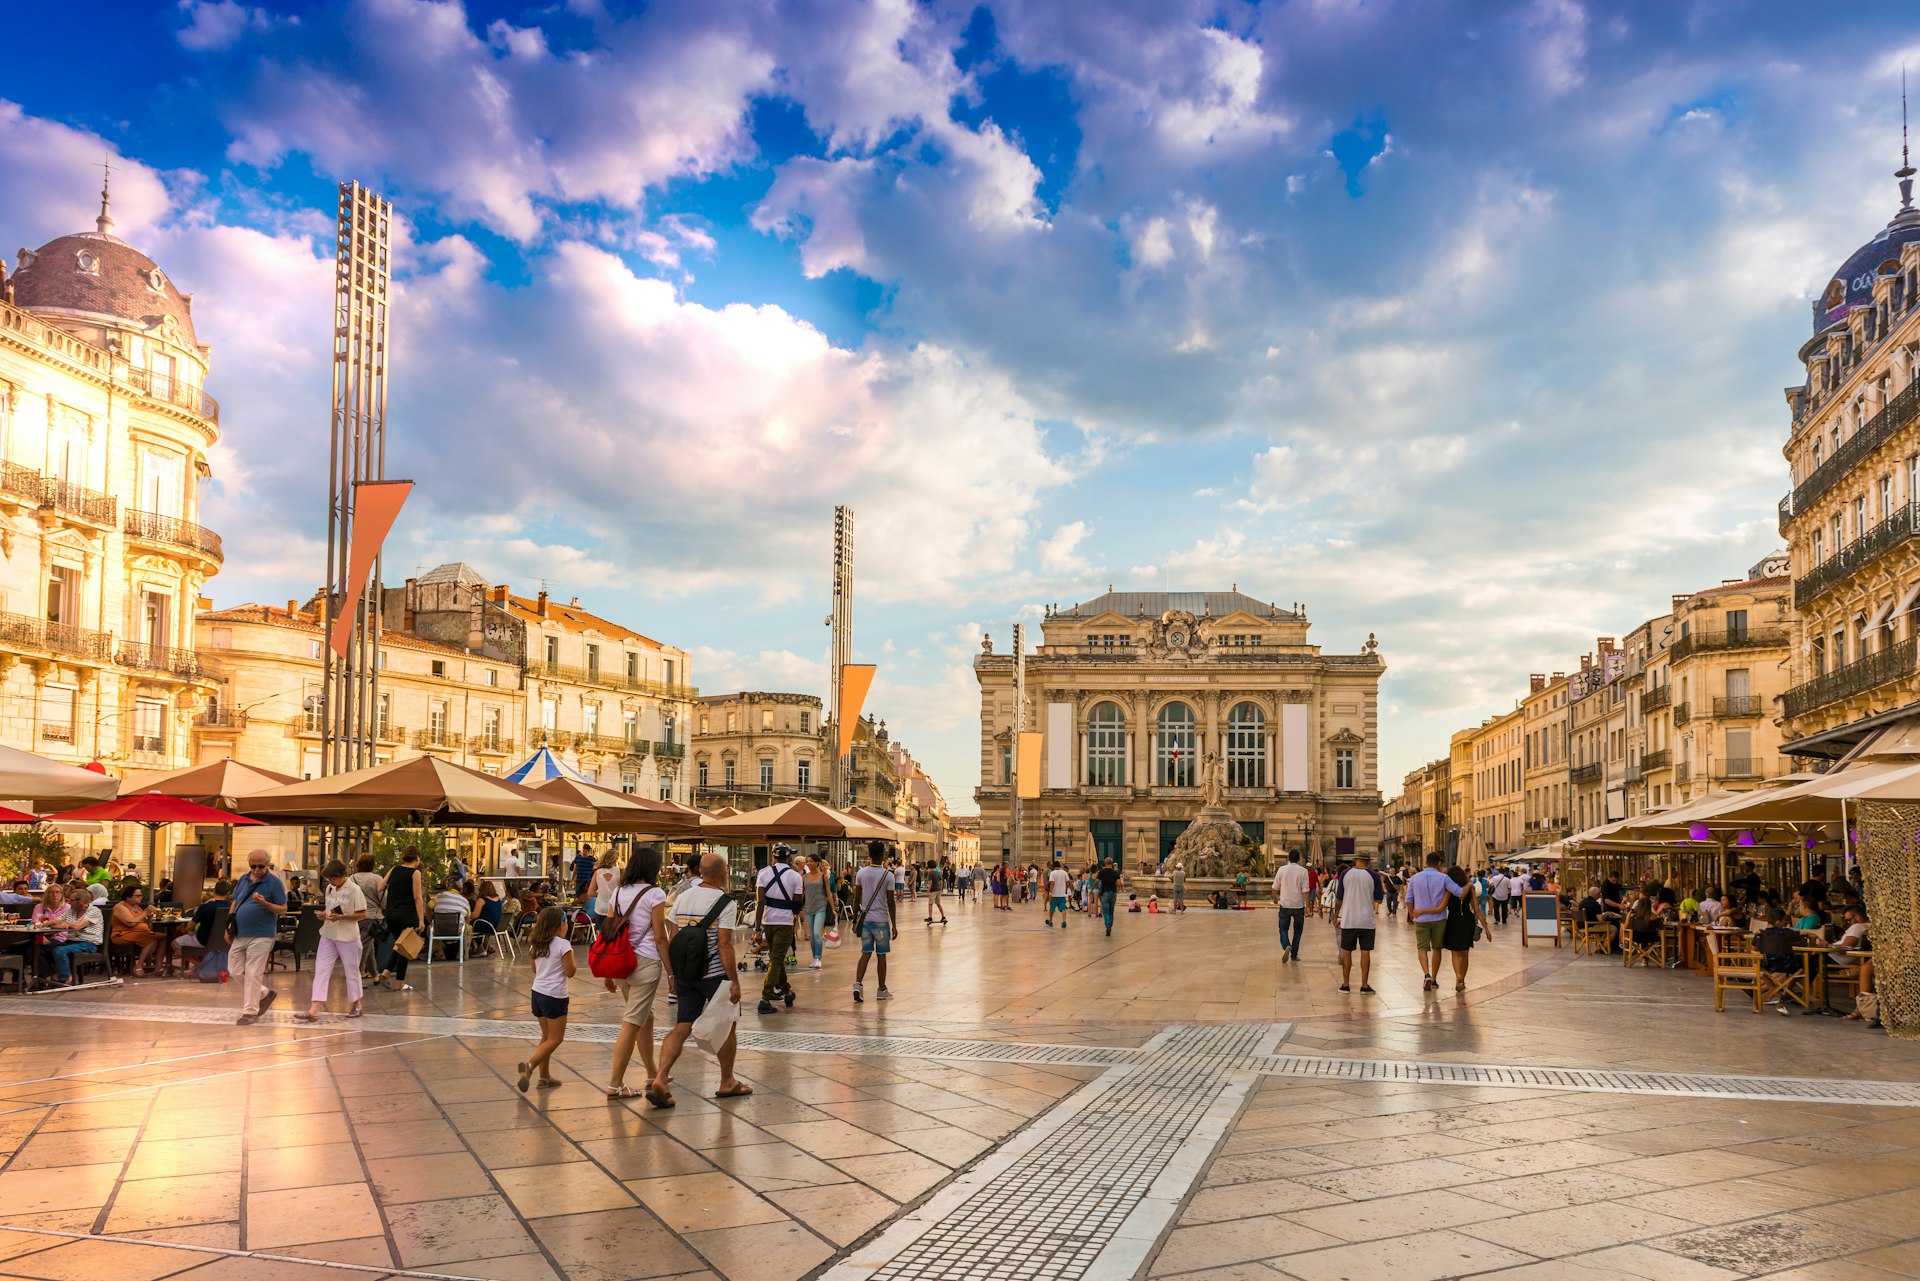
[(1176, 638)]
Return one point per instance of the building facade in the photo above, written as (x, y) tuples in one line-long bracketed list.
[(1546, 788), (1728, 669), (758, 748), (1497, 824), (106, 437), (1853, 516), (1597, 742), (1139, 695)]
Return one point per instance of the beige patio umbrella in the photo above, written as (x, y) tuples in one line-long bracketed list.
[(801, 819), (423, 791), (218, 784), (902, 831), (37, 780), (624, 811)]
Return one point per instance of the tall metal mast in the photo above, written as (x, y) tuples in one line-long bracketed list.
[(841, 621), (1019, 727), (350, 688)]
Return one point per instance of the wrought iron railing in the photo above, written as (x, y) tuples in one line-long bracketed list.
[(1738, 638), (1737, 705), (1656, 698), (1873, 433), (1683, 773), (173, 391), (221, 718), (609, 680), (43, 636), (493, 744), (610, 743), (152, 527), (1652, 761), (159, 658), (74, 499), (1900, 524), (558, 739), (1870, 672), (1588, 773), (672, 751), (1738, 767), (442, 738), (1682, 713)]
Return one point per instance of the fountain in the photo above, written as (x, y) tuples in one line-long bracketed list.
[(1214, 849)]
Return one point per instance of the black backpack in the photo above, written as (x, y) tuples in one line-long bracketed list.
[(688, 950)]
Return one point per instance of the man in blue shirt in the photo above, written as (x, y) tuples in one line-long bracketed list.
[(1427, 895), (259, 901)]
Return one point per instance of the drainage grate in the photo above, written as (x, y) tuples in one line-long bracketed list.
[(1596, 1080)]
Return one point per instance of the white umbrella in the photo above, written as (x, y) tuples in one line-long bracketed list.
[(35, 779)]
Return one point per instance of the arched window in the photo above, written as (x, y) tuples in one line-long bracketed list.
[(1246, 746), (1173, 743), (1107, 746)]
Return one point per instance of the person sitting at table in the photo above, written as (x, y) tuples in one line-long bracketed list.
[(484, 919), (131, 928), (296, 893), (1593, 911), (1779, 963), (1809, 919), (16, 899), (88, 930), (53, 909), (1710, 905), (1643, 922), (209, 953), (163, 896), (450, 915)]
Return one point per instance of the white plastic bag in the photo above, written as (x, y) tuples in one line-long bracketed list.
[(716, 1021)]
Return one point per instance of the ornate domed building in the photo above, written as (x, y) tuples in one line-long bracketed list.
[(1852, 520), (105, 431)]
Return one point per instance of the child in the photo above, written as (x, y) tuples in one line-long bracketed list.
[(552, 954), (1133, 902)]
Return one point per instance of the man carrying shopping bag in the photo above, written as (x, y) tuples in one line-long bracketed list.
[(705, 971)]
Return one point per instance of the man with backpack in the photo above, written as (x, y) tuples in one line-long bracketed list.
[(873, 889), (700, 955), (777, 897)]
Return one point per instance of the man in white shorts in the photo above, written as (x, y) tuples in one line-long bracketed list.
[(1059, 885)]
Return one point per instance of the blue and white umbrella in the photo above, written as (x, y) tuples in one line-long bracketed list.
[(543, 767)]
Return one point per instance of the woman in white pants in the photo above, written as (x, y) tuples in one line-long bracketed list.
[(345, 907)]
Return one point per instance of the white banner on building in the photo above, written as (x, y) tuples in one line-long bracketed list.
[(1293, 747), (1059, 744)]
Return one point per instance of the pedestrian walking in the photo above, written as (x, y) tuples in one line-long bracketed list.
[(703, 919), (1465, 916), (779, 894), (404, 891), (1428, 893), (1059, 884), (1108, 878), (1179, 878), (1290, 895), (818, 908), (936, 883), (343, 907), (605, 877), (1500, 891), (641, 905), (879, 919), (259, 901), (1355, 892), (1394, 885), (372, 927), (551, 952)]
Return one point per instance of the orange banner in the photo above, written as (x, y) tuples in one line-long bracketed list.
[(1028, 765), (376, 505), (855, 680)]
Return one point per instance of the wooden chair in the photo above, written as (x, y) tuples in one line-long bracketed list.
[(1594, 938), (1634, 952), (1735, 971)]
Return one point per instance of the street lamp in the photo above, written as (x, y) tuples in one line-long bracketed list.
[(1306, 840), (1052, 829)]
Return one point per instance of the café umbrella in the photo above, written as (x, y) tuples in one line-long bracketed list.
[(37, 780), (423, 790), (220, 784), (624, 811), (154, 810), (802, 820)]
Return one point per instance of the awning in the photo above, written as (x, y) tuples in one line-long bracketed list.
[(1906, 600)]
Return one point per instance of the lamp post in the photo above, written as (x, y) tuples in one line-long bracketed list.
[(1052, 829), (1306, 840)]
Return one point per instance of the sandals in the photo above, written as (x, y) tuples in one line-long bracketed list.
[(526, 1074), (739, 1091), (306, 1018), (548, 1084), (659, 1098), (622, 1092)]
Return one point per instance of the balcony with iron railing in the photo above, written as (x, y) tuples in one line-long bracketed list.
[(1900, 525), (493, 745), (672, 751), (1682, 713), (1738, 767), (1897, 413), (1737, 705), (610, 680), (1739, 638), (1683, 773), (172, 391), (1651, 761), (1656, 698), (1874, 670), (23, 633), (618, 743), (171, 531), (50, 493), (442, 739), (220, 718), (164, 659), (1588, 773), (557, 739)]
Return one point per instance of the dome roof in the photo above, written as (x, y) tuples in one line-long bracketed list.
[(1852, 284), (97, 273)]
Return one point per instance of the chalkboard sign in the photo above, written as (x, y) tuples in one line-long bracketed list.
[(1539, 918)]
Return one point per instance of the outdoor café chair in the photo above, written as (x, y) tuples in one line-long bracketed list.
[(1735, 971), (447, 928)]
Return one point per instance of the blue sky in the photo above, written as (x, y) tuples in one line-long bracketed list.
[(1465, 324)]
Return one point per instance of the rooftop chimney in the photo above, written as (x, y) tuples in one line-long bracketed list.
[(1536, 682), (500, 594), (1606, 644), (1679, 599), (1558, 677), (540, 605)]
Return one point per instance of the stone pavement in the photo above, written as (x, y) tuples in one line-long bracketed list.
[(1168, 1102)]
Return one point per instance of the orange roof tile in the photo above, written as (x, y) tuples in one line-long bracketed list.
[(580, 620)]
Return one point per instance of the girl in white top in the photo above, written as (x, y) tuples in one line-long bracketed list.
[(552, 954), (344, 906), (600, 890)]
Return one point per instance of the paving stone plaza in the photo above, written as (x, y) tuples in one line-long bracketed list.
[(1170, 1102)]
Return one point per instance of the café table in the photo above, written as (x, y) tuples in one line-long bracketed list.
[(34, 935)]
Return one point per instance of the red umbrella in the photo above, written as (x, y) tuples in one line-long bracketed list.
[(154, 809), (17, 816)]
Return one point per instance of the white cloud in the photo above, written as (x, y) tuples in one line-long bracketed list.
[(219, 24)]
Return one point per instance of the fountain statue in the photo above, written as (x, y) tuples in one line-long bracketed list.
[(1213, 844)]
